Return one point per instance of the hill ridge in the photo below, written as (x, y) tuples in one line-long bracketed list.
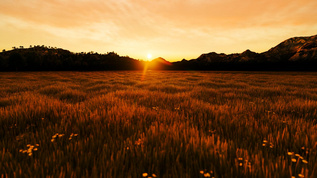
[(296, 53)]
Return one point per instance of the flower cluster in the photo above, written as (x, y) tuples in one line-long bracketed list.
[(30, 149), (206, 173), (148, 175), (139, 142), (298, 162), (297, 157), (266, 143), (56, 136), (245, 162), (72, 135)]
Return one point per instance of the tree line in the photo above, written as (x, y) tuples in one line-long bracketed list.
[(42, 58)]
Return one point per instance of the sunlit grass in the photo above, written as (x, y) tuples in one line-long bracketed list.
[(164, 124)]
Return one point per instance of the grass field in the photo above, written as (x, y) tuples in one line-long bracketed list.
[(158, 124)]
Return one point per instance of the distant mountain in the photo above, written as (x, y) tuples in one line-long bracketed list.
[(294, 49), (299, 53), (159, 64), (161, 60)]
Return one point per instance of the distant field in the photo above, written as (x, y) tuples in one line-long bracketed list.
[(158, 124)]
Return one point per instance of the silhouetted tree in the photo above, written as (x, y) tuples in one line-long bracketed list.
[(16, 61), (3, 63), (33, 60)]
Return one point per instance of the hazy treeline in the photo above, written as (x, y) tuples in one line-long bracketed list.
[(41, 58)]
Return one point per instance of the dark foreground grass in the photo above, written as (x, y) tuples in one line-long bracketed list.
[(158, 124)]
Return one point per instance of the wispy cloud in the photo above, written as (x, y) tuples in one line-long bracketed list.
[(182, 28)]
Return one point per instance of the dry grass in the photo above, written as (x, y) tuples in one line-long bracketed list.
[(166, 124)]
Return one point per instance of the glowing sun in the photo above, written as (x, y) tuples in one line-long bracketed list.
[(149, 56)]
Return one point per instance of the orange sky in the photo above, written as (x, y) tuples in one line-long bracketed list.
[(173, 29)]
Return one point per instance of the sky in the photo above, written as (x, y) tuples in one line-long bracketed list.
[(172, 29)]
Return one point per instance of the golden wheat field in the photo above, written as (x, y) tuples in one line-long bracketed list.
[(158, 124)]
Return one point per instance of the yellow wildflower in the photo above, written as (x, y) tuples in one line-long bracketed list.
[(290, 153), (207, 175)]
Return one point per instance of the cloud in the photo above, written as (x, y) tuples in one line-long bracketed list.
[(130, 14)]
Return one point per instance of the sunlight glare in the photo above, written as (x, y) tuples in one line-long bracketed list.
[(149, 56)]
